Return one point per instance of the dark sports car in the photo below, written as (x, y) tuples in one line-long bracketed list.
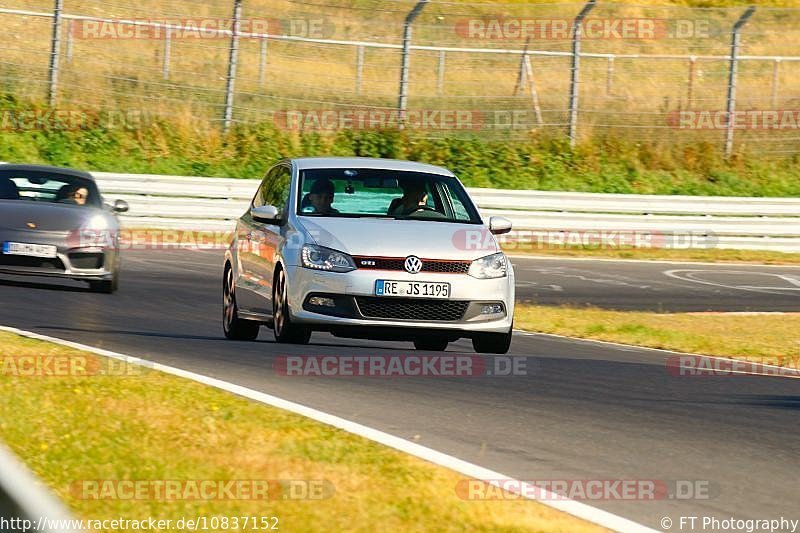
[(53, 222)]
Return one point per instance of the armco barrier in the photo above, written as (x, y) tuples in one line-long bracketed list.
[(179, 202), (22, 497)]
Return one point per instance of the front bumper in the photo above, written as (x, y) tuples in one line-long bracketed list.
[(62, 267), (89, 263), (354, 291)]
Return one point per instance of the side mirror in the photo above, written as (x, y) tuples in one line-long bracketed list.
[(499, 225), (265, 213), (120, 206)]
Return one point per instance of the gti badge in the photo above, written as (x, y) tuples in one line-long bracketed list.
[(413, 264)]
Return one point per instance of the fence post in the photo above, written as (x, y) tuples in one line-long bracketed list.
[(575, 74), (359, 67), (440, 73), (70, 36), (734, 70), (232, 63), (55, 46), (776, 81), (402, 103), (167, 52), (262, 63), (537, 110), (610, 75)]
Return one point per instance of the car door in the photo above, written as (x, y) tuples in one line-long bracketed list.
[(262, 241)]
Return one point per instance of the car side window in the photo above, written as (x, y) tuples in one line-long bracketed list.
[(274, 190), (459, 210)]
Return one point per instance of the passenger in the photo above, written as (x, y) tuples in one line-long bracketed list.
[(414, 198), (8, 190)]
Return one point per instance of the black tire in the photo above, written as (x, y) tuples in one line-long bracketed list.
[(431, 345), (498, 343), (234, 327), (283, 328)]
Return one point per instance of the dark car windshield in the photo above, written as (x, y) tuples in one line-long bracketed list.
[(359, 192), (40, 186)]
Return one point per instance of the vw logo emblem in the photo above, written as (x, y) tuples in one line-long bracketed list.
[(413, 264)]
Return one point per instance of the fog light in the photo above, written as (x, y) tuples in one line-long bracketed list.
[(320, 301), (492, 309)]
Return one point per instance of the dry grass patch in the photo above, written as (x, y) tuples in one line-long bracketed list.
[(766, 338), (152, 426)]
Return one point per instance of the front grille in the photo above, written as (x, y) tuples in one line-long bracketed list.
[(398, 263), (31, 262), (411, 309), (86, 260)]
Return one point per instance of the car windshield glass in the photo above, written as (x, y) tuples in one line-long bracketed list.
[(37, 186), (358, 192)]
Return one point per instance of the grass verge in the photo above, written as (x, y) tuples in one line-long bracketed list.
[(145, 425), (598, 165), (772, 339)]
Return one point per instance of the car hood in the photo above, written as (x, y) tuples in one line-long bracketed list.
[(17, 215), (400, 238)]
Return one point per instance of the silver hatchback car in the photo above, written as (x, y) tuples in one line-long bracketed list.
[(368, 248)]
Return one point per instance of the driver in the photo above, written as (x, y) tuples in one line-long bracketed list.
[(320, 197), (73, 194), (414, 198)]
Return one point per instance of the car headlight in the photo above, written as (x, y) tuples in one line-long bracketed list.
[(491, 266), (321, 258)]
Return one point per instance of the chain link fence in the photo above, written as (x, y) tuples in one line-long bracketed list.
[(659, 75)]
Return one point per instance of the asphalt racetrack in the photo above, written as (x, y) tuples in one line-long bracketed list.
[(658, 286), (583, 411)]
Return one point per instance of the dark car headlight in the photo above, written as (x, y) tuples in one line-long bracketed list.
[(321, 258)]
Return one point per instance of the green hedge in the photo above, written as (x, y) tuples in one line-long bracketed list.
[(603, 165)]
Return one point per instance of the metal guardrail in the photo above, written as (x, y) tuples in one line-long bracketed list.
[(22, 497), (178, 202)]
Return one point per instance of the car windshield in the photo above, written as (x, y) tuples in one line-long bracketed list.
[(383, 193), (39, 186)]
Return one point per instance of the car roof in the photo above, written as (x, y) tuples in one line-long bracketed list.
[(44, 168), (306, 163)]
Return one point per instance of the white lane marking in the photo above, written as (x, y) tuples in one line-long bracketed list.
[(740, 313), (577, 509), (635, 348), (651, 261), (609, 279), (554, 288), (690, 276)]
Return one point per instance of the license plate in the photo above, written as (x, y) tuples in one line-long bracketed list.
[(412, 289), (31, 250)]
